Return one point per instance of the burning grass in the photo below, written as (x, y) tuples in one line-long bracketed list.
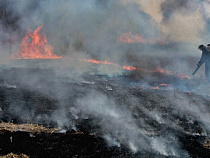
[(35, 46), (157, 70)]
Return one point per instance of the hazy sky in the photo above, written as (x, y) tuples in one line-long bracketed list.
[(93, 26)]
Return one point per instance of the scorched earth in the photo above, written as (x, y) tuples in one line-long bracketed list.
[(44, 111)]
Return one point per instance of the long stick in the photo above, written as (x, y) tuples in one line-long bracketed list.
[(196, 69)]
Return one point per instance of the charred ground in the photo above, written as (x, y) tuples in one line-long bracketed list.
[(101, 116)]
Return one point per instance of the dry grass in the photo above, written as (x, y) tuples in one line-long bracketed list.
[(32, 128), (11, 155), (207, 144)]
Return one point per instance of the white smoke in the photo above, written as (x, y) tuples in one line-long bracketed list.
[(120, 127), (116, 120), (91, 28)]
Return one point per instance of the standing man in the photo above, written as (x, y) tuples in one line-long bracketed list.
[(205, 58)]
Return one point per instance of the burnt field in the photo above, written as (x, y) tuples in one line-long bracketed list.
[(104, 78), (45, 114)]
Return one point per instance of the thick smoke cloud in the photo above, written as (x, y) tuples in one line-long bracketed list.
[(92, 27), (179, 21)]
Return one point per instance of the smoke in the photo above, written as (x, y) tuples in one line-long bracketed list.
[(134, 123), (178, 21), (117, 121), (78, 30), (89, 29), (120, 127)]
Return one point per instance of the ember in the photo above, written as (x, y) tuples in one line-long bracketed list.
[(184, 76), (155, 87), (164, 85), (129, 68), (35, 46), (161, 70), (97, 61)]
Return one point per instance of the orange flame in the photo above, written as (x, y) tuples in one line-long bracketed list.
[(129, 68), (162, 71), (97, 61), (155, 87), (182, 76), (34, 46), (130, 38), (132, 68), (164, 85)]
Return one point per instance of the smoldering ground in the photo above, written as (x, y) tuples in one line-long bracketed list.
[(142, 120), (73, 90), (143, 125)]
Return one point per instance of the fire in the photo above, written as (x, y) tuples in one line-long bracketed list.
[(161, 86), (155, 87), (182, 76), (162, 71), (130, 38), (130, 68), (35, 46), (164, 85), (98, 62)]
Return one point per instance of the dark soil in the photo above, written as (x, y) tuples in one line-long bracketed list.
[(22, 104)]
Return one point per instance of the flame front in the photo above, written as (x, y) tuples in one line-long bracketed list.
[(132, 68), (35, 46), (98, 62)]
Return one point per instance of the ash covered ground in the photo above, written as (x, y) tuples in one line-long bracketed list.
[(92, 114)]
